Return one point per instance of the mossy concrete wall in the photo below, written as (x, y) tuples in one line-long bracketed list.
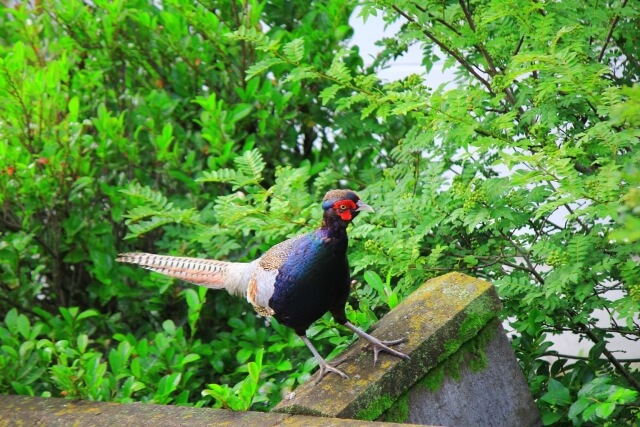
[(461, 372), (441, 320), (18, 411), (480, 385)]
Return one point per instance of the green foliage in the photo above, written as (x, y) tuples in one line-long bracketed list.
[(127, 120), (596, 402), (242, 396), (204, 129), (525, 173)]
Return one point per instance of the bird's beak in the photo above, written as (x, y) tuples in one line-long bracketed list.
[(363, 207)]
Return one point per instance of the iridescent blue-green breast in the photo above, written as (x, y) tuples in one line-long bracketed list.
[(312, 279)]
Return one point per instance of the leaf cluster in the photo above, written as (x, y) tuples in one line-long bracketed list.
[(220, 136)]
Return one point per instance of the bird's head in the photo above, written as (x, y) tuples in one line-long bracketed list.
[(343, 204)]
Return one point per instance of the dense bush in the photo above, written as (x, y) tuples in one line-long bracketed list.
[(214, 128), (117, 108)]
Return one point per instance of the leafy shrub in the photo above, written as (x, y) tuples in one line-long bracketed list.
[(117, 107), (525, 174)]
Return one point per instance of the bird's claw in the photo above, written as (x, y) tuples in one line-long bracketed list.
[(325, 368), (378, 345), (384, 346)]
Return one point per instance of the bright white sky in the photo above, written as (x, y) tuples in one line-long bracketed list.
[(366, 34)]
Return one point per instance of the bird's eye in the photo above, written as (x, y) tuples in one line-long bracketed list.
[(343, 207)]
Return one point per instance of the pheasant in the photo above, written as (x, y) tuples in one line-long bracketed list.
[(296, 281)]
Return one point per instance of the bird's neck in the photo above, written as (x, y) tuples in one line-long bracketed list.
[(333, 228)]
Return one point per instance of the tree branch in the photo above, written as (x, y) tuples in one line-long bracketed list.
[(610, 33), (438, 20), (492, 71), (612, 359), (570, 356), (448, 50), (525, 255)]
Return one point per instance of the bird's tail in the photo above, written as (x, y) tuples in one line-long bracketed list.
[(204, 272)]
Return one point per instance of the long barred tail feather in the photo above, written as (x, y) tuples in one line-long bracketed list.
[(209, 273)]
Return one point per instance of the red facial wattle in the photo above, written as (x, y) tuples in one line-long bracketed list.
[(345, 209)]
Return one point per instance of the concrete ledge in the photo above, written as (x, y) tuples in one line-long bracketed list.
[(37, 411), (462, 372), (479, 385), (437, 319)]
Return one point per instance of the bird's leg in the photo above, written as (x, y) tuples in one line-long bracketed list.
[(325, 367), (377, 344)]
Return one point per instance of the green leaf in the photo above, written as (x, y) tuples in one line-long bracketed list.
[(82, 341), (254, 371), (243, 355), (294, 50), (136, 368), (189, 358), (87, 314), (604, 410), (23, 325), (393, 300), (339, 71), (374, 280), (193, 301), (25, 349), (74, 108), (284, 365), (557, 393), (550, 418), (167, 385), (578, 407), (169, 327), (262, 66), (221, 175), (251, 164), (329, 93)]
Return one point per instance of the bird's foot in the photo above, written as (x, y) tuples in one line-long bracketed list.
[(326, 367), (378, 345)]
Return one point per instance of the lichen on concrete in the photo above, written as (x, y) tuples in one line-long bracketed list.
[(55, 412)]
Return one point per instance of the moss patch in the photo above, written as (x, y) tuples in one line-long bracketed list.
[(472, 353), (478, 315), (375, 408), (433, 380), (398, 412)]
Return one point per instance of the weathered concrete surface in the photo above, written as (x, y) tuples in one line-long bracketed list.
[(481, 385), (462, 372), (17, 411), (436, 319)]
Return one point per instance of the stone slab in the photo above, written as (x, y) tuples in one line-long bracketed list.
[(18, 411), (436, 319), (485, 387)]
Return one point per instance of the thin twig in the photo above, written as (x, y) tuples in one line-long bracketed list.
[(448, 50), (610, 33), (570, 356), (608, 354)]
